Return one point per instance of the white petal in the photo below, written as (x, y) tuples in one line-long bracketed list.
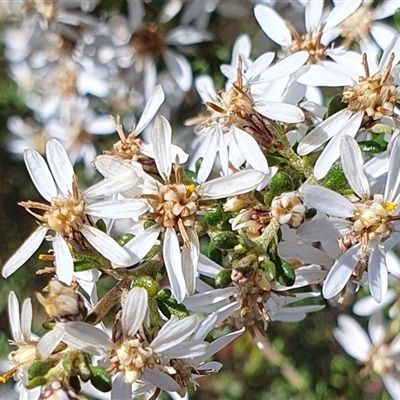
[(49, 342), (111, 167), (173, 264), (321, 75), (212, 142), (106, 246), (341, 272), (162, 147), (392, 186), (25, 251), (273, 25), (160, 379), (386, 9), (260, 65), (250, 150), (392, 384), (40, 174), (241, 47), (393, 47), (327, 201), (173, 333), (208, 267), (187, 349), (341, 11), (323, 132), (134, 311), (368, 306), (284, 68), (377, 328), (120, 208), (304, 253), (185, 35), (313, 14), (153, 103), (231, 185), (60, 166), (82, 336), (141, 244), (205, 327), (322, 229), (26, 320), (352, 338), (14, 317), (352, 163), (190, 259), (206, 90), (383, 34), (179, 68), (149, 76), (280, 111), (377, 274), (64, 262)]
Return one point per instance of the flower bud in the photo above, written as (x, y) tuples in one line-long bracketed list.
[(288, 209)]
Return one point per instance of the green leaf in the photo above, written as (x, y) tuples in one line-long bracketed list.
[(223, 279), (335, 179), (124, 239), (147, 282), (100, 378), (225, 240), (100, 224), (214, 217), (370, 147)]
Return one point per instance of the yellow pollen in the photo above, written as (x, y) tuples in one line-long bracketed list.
[(390, 206), (191, 188)]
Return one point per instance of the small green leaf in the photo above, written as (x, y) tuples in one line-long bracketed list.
[(214, 217), (147, 282), (370, 147), (100, 224), (225, 240), (100, 378), (269, 269), (36, 382), (39, 369), (280, 183), (223, 279), (171, 307), (335, 105), (286, 275), (124, 239), (335, 179)]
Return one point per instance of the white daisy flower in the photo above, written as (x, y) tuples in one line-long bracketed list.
[(374, 351), (174, 207), (68, 213), (366, 229), (368, 100)]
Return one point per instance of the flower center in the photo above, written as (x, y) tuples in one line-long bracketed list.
[(309, 42), (46, 8), (175, 206), (132, 357), (372, 219), (357, 25), (381, 360), (375, 95), (25, 355), (148, 41)]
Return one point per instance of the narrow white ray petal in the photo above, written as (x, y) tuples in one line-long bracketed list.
[(174, 332), (368, 306), (382, 34), (208, 267), (179, 68), (352, 162), (313, 14), (190, 259), (250, 150), (294, 314), (260, 65), (304, 253), (64, 262), (210, 154), (148, 150), (241, 47), (40, 174), (385, 9), (85, 337), (153, 103), (377, 328), (118, 184), (149, 75), (60, 166), (106, 246), (392, 186), (327, 201), (205, 327), (49, 342), (392, 385), (219, 344), (321, 75), (323, 132), (340, 12), (111, 167), (141, 244), (377, 274), (134, 311), (24, 252), (214, 366), (231, 185), (324, 229), (352, 338), (14, 317), (393, 47), (119, 208), (206, 90), (185, 35), (211, 297), (162, 146), (340, 273), (273, 25), (280, 111), (395, 345), (332, 151), (173, 264), (160, 379), (187, 349)]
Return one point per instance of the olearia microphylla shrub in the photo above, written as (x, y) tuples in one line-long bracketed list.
[(271, 193)]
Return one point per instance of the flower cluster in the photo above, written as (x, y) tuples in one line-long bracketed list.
[(287, 199)]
